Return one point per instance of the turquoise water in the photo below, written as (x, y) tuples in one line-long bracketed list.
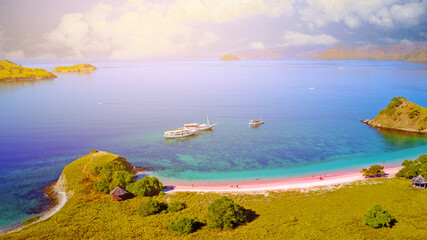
[(45, 125)]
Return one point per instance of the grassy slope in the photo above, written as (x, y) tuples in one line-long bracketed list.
[(12, 71), (400, 118), (320, 214), (75, 68)]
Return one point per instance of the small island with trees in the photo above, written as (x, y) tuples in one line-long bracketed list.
[(401, 115), (83, 67), (10, 71)]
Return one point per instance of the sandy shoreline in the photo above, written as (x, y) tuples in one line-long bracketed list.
[(61, 197), (273, 185)]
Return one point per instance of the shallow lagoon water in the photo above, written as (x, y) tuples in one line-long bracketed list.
[(45, 125)]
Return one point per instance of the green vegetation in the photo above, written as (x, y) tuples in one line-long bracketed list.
[(30, 220), (373, 171), (414, 113), (175, 206), (186, 225), (228, 57), (377, 217), (414, 168), (147, 186), (10, 71), (321, 214), (113, 174), (391, 107), (223, 213), (149, 206), (83, 67)]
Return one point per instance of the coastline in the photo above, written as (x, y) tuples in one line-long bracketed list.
[(278, 185), (57, 193)]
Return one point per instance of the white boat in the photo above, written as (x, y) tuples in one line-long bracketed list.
[(255, 122), (201, 127), (179, 133)]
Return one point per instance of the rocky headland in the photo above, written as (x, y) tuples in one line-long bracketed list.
[(83, 67), (10, 71), (402, 115)]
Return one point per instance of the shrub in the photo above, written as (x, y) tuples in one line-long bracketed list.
[(93, 151), (225, 214), (149, 206), (185, 225), (377, 217), (175, 206), (413, 113), (147, 186), (101, 186), (373, 171), (30, 220)]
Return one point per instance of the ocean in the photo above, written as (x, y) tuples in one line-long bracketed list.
[(311, 108)]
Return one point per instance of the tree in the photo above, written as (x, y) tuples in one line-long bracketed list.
[(121, 179), (149, 206), (225, 214), (377, 217), (373, 171), (414, 168), (175, 206), (185, 225), (147, 186)]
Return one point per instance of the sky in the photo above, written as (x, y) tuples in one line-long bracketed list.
[(49, 29)]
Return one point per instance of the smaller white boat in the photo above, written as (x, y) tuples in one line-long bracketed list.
[(200, 127), (312, 88), (179, 133), (255, 122)]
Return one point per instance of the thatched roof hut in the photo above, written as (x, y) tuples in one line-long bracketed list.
[(118, 191), (419, 182)]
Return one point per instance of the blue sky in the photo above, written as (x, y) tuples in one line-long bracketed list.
[(173, 28)]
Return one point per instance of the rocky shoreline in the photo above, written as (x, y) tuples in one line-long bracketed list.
[(53, 76), (374, 124)]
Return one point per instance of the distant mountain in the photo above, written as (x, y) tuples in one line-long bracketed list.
[(407, 51), (280, 52), (228, 57)]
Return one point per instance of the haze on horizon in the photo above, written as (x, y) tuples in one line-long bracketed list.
[(47, 29)]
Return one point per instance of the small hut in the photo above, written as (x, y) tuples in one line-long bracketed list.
[(419, 182), (118, 194)]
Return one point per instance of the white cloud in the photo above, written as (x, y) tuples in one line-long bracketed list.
[(256, 45), (209, 38), (140, 29), (300, 39), (384, 13), (9, 53)]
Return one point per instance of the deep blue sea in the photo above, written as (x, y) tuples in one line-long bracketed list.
[(45, 125)]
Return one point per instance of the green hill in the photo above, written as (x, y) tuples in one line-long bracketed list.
[(401, 114), (10, 71), (83, 67), (318, 214)]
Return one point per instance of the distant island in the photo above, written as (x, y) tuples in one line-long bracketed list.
[(83, 67), (10, 71), (404, 51), (229, 57), (402, 115)]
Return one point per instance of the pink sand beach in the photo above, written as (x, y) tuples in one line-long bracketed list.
[(275, 185)]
